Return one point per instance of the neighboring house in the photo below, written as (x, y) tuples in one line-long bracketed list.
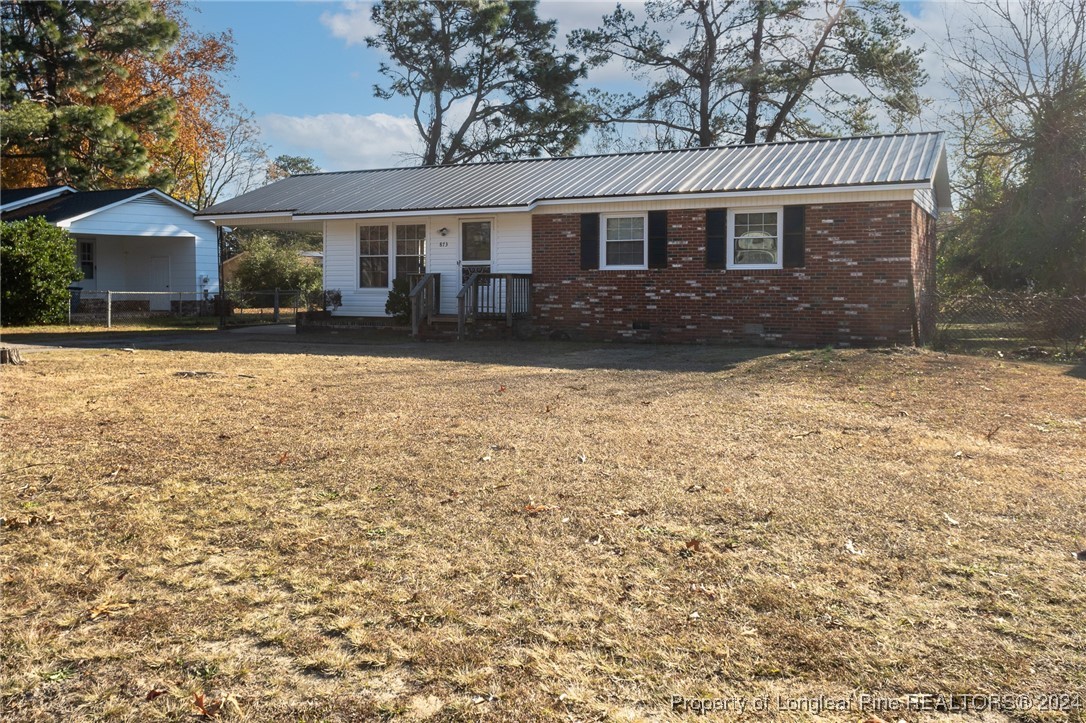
[(137, 239), (802, 242)]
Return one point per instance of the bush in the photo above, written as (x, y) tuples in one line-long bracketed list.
[(398, 305), (269, 266), (37, 263), (325, 300)]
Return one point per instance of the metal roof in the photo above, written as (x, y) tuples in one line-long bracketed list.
[(910, 158)]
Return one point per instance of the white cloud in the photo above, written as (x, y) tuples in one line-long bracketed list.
[(352, 24), (340, 141)]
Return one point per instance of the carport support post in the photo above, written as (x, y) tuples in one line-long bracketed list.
[(109, 309), (222, 289)]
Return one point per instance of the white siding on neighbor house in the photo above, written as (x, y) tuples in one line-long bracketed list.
[(123, 263), (511, 246), (147, 227)]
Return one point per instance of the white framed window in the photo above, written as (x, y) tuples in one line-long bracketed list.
[(755, 238), (624, 241), (410, 250), (373, 257), (86, 257)]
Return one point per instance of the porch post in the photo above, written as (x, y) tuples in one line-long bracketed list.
[(222, 286), (508, 299)]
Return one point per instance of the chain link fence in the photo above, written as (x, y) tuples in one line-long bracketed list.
[(1019, 324), (237, 308), (263, 306), (108, 308)]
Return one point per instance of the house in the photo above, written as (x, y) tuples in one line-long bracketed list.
[(800, 242), (128, 240)]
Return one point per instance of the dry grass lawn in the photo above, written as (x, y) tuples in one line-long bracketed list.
[(520, 532)]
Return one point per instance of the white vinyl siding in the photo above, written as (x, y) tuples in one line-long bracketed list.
[(191, 245), (511, 247)]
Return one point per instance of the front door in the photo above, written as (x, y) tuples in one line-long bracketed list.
[(160, 281), (476, 244)]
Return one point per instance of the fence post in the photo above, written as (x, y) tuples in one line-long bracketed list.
[(275, 306), (109, 309)]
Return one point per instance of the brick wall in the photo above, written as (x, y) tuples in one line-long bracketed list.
[(923, 263), (855, 289)]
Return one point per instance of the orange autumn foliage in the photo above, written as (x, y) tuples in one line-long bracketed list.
[(189, 74)]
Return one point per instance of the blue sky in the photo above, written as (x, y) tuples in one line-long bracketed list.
[(303, 69)]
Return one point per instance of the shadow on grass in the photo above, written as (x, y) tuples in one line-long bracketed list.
[(391, 344), (1078, 371)]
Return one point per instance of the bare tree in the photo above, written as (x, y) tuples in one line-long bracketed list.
[(1009, 62), (236, 163), (757, 70), (1018, 68)]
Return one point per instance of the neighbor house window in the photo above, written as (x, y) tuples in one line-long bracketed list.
[(623, 242), (86, 259), (754, 239), (410, 250), (373, 257)]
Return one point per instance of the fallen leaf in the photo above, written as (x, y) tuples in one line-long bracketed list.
[(694, 545), (582, 458), (852, 548), (154, 693), (1081, 555), (950, 519), (283, 458), (485, 458), (501, 389), (205, 707), (695, 488), (806, 434)]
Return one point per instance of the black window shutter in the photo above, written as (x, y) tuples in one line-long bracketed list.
[(590, 240), (794, 226), (716, 237), (657, 239)]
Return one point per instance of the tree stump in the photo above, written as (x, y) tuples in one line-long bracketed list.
[(9, 355)]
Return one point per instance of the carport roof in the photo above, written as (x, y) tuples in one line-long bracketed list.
[(909, 159)]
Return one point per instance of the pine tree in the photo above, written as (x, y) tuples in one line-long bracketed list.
[(484, 77), (57, 57)]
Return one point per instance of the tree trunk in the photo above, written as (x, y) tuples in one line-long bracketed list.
[(754, 83), (8, 355)]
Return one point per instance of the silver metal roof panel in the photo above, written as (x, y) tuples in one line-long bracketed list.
[(907, 158)]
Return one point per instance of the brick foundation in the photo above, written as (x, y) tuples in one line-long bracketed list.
[(865, 264)]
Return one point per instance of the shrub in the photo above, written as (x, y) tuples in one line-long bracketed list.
[(398, 305), (325, 299), (37, 263), (269, 266)]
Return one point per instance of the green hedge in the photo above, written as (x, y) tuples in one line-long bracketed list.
[(37, 263)]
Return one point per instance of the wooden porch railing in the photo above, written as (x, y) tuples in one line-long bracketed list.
[(493, 296), (425, 299)]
